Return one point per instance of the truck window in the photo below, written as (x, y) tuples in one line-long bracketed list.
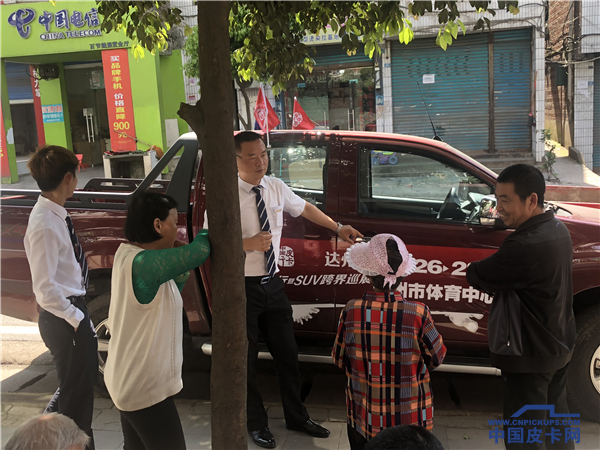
[(407, 185), (303, 169)]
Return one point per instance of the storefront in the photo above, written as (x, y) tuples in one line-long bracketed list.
[(339, 94), (90, 93), (491, 115)]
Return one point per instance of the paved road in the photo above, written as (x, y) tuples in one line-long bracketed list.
[(464, 403)]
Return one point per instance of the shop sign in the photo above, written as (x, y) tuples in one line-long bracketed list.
[(105, 45), (329, 37), (119, 100), (37, 105), (53, 113), (4, 168), (67, 24)]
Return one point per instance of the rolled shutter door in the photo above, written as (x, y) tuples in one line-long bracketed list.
[(512, 90), (458, 101)]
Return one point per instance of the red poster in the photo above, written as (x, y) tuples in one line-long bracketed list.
[(119, 100), (4, 168), (37, 106)]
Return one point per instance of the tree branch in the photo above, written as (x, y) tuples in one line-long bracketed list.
[(194, 116)]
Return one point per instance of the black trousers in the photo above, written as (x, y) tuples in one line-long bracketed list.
[(522, 389), (155, 428), (357, 441), (75, 355), (269, 311)]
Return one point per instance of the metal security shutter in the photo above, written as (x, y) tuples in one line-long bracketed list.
[(18, 82), (512, 90), (334, 56), (458, 101), (596, 153)]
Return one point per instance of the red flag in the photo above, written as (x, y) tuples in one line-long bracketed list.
[(264, 113), (300, 120)]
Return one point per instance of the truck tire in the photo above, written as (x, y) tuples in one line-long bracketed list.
[(583, 376), (98, 309)]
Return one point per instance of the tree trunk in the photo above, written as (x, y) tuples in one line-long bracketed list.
[(212, 120), (243, 86)]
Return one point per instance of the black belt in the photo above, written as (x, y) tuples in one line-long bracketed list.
[(74, 298), (261, 280)]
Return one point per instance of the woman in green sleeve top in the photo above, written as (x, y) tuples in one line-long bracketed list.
[(145, 354)]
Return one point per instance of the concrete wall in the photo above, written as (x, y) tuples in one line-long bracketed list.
[(147, 100), (173, 88), (558, 119), (584, 110), (590, 26), (54, 92), (584, 80)]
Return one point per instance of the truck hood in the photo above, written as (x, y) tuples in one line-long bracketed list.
[(578, 213)]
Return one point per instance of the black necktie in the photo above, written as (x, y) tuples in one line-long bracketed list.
[(79, 255), (264, 226)]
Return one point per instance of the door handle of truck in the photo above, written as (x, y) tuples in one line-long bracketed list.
[(312, 236)]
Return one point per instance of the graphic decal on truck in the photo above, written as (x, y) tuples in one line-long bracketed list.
[(304, 312)]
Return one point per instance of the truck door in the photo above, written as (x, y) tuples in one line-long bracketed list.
[(309, 165), (430, 201)]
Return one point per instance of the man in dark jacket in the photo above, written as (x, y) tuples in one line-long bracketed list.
[(531, 326)]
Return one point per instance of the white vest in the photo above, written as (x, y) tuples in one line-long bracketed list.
[(145, 351)]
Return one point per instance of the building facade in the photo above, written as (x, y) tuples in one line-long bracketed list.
[(66, 82), (483, 95)]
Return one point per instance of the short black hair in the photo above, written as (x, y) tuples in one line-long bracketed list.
[(526, 179), (245, 136), (404, 437), (143, 209), (394, 260), (49, 165)]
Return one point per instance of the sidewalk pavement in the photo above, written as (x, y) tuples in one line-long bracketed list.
[(455, 430), (570, 172)]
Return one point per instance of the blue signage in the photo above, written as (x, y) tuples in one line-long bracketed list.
[(22, 19), (568, 427), (53, 113)]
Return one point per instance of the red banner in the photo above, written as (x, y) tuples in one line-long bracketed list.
[(265, 115), (37, 106), (119, 100), (4, 167), (300, 120)]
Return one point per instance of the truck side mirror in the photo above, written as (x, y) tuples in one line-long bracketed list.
[(488, 213)]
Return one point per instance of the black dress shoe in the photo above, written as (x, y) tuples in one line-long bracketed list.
[(312, 429), (263, 438)]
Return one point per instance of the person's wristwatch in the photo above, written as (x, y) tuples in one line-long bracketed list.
[(339, 227)]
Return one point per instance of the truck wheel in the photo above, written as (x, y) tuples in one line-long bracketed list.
[(98, 309), (393, 160), (583, 376)]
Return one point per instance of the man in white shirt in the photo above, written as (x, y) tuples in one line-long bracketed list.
[(59, 275), (263, 201)]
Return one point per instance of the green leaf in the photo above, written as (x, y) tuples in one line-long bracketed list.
[(462, 26), (454, 30), (448, 37), (187, 31), (513, 9)]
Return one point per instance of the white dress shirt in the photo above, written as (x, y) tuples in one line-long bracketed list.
[(55, 272), (278, 197)]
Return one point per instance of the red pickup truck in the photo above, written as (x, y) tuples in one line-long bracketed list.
[(431, 197)]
